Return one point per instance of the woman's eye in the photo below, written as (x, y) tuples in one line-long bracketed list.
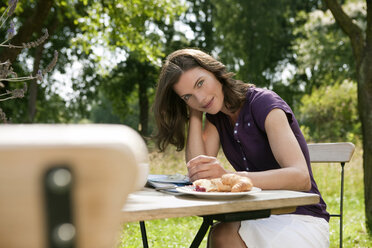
[(186, 97), (200, 83)]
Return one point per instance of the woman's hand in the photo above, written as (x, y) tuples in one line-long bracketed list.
[(204, 167), (194, 113)]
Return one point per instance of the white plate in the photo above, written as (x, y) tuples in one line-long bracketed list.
[(216, 195), (176, 178)]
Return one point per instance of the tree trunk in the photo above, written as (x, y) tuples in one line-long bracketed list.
[(144, 108), (32, 96), (365, 110)]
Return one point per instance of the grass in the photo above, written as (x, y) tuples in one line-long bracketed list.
[(179, 232)]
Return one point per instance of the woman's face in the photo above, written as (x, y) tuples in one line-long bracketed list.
[(201, 90)]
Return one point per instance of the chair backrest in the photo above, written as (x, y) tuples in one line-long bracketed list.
[(331, 152), (100, 164)]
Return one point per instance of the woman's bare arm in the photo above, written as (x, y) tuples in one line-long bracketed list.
[(294, 174), (206, 166), (201, 141), (195, 144), (202, 148)]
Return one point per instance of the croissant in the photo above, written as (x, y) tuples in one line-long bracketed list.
[(227, 183), (205, 185), (220, 186), (238, 183)]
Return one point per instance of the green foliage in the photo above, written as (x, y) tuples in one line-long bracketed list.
[(200, 17), (53, 112), (128, 89), (135, 34), (28, 49), (131, 25), (77, 28), (330, 113), (257, 39), (254, 36), (254, 39), (102, 111), (323, 52)]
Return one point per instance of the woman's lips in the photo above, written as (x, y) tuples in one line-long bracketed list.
[(208, 104)]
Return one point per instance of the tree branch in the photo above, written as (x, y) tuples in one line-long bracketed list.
[(33, 24), (349, 27)]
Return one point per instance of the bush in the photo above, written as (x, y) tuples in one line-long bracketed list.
[(330, 113)]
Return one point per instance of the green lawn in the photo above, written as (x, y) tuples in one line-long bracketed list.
[(179, 232)]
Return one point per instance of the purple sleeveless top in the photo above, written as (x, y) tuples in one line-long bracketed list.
[(246, 145)]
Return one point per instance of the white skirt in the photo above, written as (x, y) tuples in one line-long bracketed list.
[(287, 230)]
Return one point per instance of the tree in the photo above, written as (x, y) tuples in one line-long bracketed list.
[(12, 47), (133, 29), (127, 77), (43, 103), (323, 54), (361, 44), (254, 38), (200, 18), (77, 29)]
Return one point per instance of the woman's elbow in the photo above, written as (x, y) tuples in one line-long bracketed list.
[(305, 181)]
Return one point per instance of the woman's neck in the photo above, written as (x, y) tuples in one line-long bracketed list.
[(233, 115)]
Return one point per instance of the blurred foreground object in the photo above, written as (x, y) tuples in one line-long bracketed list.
[(64, 185)]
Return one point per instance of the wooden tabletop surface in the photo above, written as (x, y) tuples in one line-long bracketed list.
[(149, 204)]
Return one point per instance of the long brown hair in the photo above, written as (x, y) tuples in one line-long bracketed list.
[(170, 110)]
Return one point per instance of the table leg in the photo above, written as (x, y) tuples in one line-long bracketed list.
[(144, 235), (207, 222)]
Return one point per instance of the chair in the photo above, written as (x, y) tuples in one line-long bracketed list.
[(64, 185), (333, 153)]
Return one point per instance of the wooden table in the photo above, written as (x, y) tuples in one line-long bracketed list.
[(149, 204)]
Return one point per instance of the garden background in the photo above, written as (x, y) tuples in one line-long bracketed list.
[(110, 53)]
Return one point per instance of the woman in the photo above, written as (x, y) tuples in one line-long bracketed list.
[(259, 136)]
